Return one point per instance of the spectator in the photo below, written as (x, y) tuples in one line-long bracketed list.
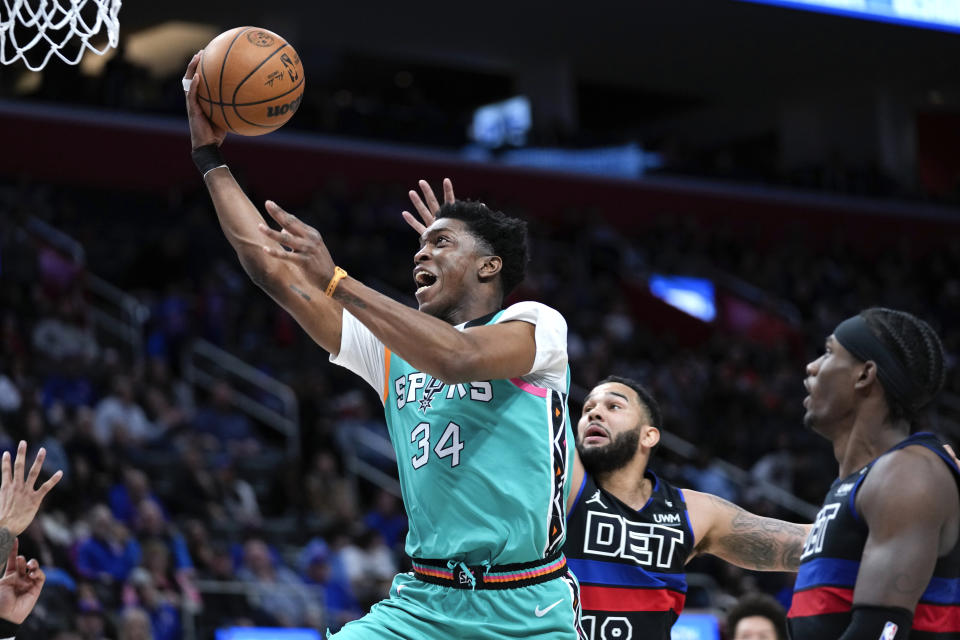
[(368, 564), (276, 589), (757, 616), (134, 625), (339, 601), (110, 553), (125, 496), (236, 495), (197, 488), (329, 497), (160, 606), (387, 518), (63, 336), (118, 415), (9, 395), (38, 436), (225, 426), (90, 622)]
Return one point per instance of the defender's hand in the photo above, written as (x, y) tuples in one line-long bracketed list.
[(307, 249), (202, 130), (20, 587), (19, 500), (428, 206)]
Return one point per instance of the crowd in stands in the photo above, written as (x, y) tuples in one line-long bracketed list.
[(169, 492), (386, 100)]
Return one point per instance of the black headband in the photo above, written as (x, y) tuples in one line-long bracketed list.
[(857, 338)]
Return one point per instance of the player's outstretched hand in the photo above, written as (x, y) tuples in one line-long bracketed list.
[(306, 246), (20, 587), (202, 131), (428, 206), (20, 499)]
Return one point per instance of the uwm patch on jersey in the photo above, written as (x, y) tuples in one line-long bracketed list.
[(630, 564)]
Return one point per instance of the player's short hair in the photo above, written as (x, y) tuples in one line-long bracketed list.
[(918, 348), (503, 236), (649, 403), (758, 604)]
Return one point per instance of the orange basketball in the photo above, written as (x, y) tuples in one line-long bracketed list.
[(251, 81)]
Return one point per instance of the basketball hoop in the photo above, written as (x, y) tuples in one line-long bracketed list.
[(62, 27)]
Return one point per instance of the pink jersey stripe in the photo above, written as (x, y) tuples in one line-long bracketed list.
[(540, 392)]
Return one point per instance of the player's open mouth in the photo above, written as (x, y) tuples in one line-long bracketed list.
[(594, 434), (424, 280)]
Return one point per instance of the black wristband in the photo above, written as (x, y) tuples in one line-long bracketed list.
[(207, 158), (8, 629), (869, 622)]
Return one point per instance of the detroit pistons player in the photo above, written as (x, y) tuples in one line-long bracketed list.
[(630, 533), (883, 559)]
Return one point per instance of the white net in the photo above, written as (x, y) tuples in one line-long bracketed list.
[(35, 30)]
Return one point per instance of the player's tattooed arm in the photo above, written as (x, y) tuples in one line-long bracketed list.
[(6, 541), (348, 299), (742, 538)]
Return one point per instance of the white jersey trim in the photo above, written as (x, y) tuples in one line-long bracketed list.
[(362, 352)]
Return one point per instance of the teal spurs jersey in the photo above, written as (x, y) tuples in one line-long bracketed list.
[(484, 466)]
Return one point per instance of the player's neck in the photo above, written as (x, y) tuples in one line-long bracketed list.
[(628, 484), (471, 308), (870, 437)]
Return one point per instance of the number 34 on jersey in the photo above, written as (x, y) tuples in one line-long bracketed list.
[(448, 446)]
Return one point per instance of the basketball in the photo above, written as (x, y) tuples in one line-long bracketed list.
[(251, 81)]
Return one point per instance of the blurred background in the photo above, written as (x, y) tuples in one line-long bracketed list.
[(711, 186)]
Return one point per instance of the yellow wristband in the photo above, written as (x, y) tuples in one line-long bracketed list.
[(338, 275)]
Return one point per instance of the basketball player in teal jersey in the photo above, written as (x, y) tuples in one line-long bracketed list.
[(475, 402)]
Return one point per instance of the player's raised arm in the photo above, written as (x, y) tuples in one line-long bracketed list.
[(240, 220), (909, 503), (747, 540), (427, 342)]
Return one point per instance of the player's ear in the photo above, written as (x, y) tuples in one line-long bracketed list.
[(489, 267), (867, 376), (649, 436)]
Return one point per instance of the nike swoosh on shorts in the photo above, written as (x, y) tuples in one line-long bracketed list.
[(542, 612)]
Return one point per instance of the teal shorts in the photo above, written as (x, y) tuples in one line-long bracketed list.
[(418, 610)]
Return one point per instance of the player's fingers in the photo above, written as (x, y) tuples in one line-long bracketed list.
[(192, 66), (32, 564), (18, 462), (35, 468), (285, 238), (413, 222), (21, 565), (288, 221), (192, 101), (38, 576), (283, 254), (50, 484), (420, 206), (432, 205), (448, 196), (5, 468)]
